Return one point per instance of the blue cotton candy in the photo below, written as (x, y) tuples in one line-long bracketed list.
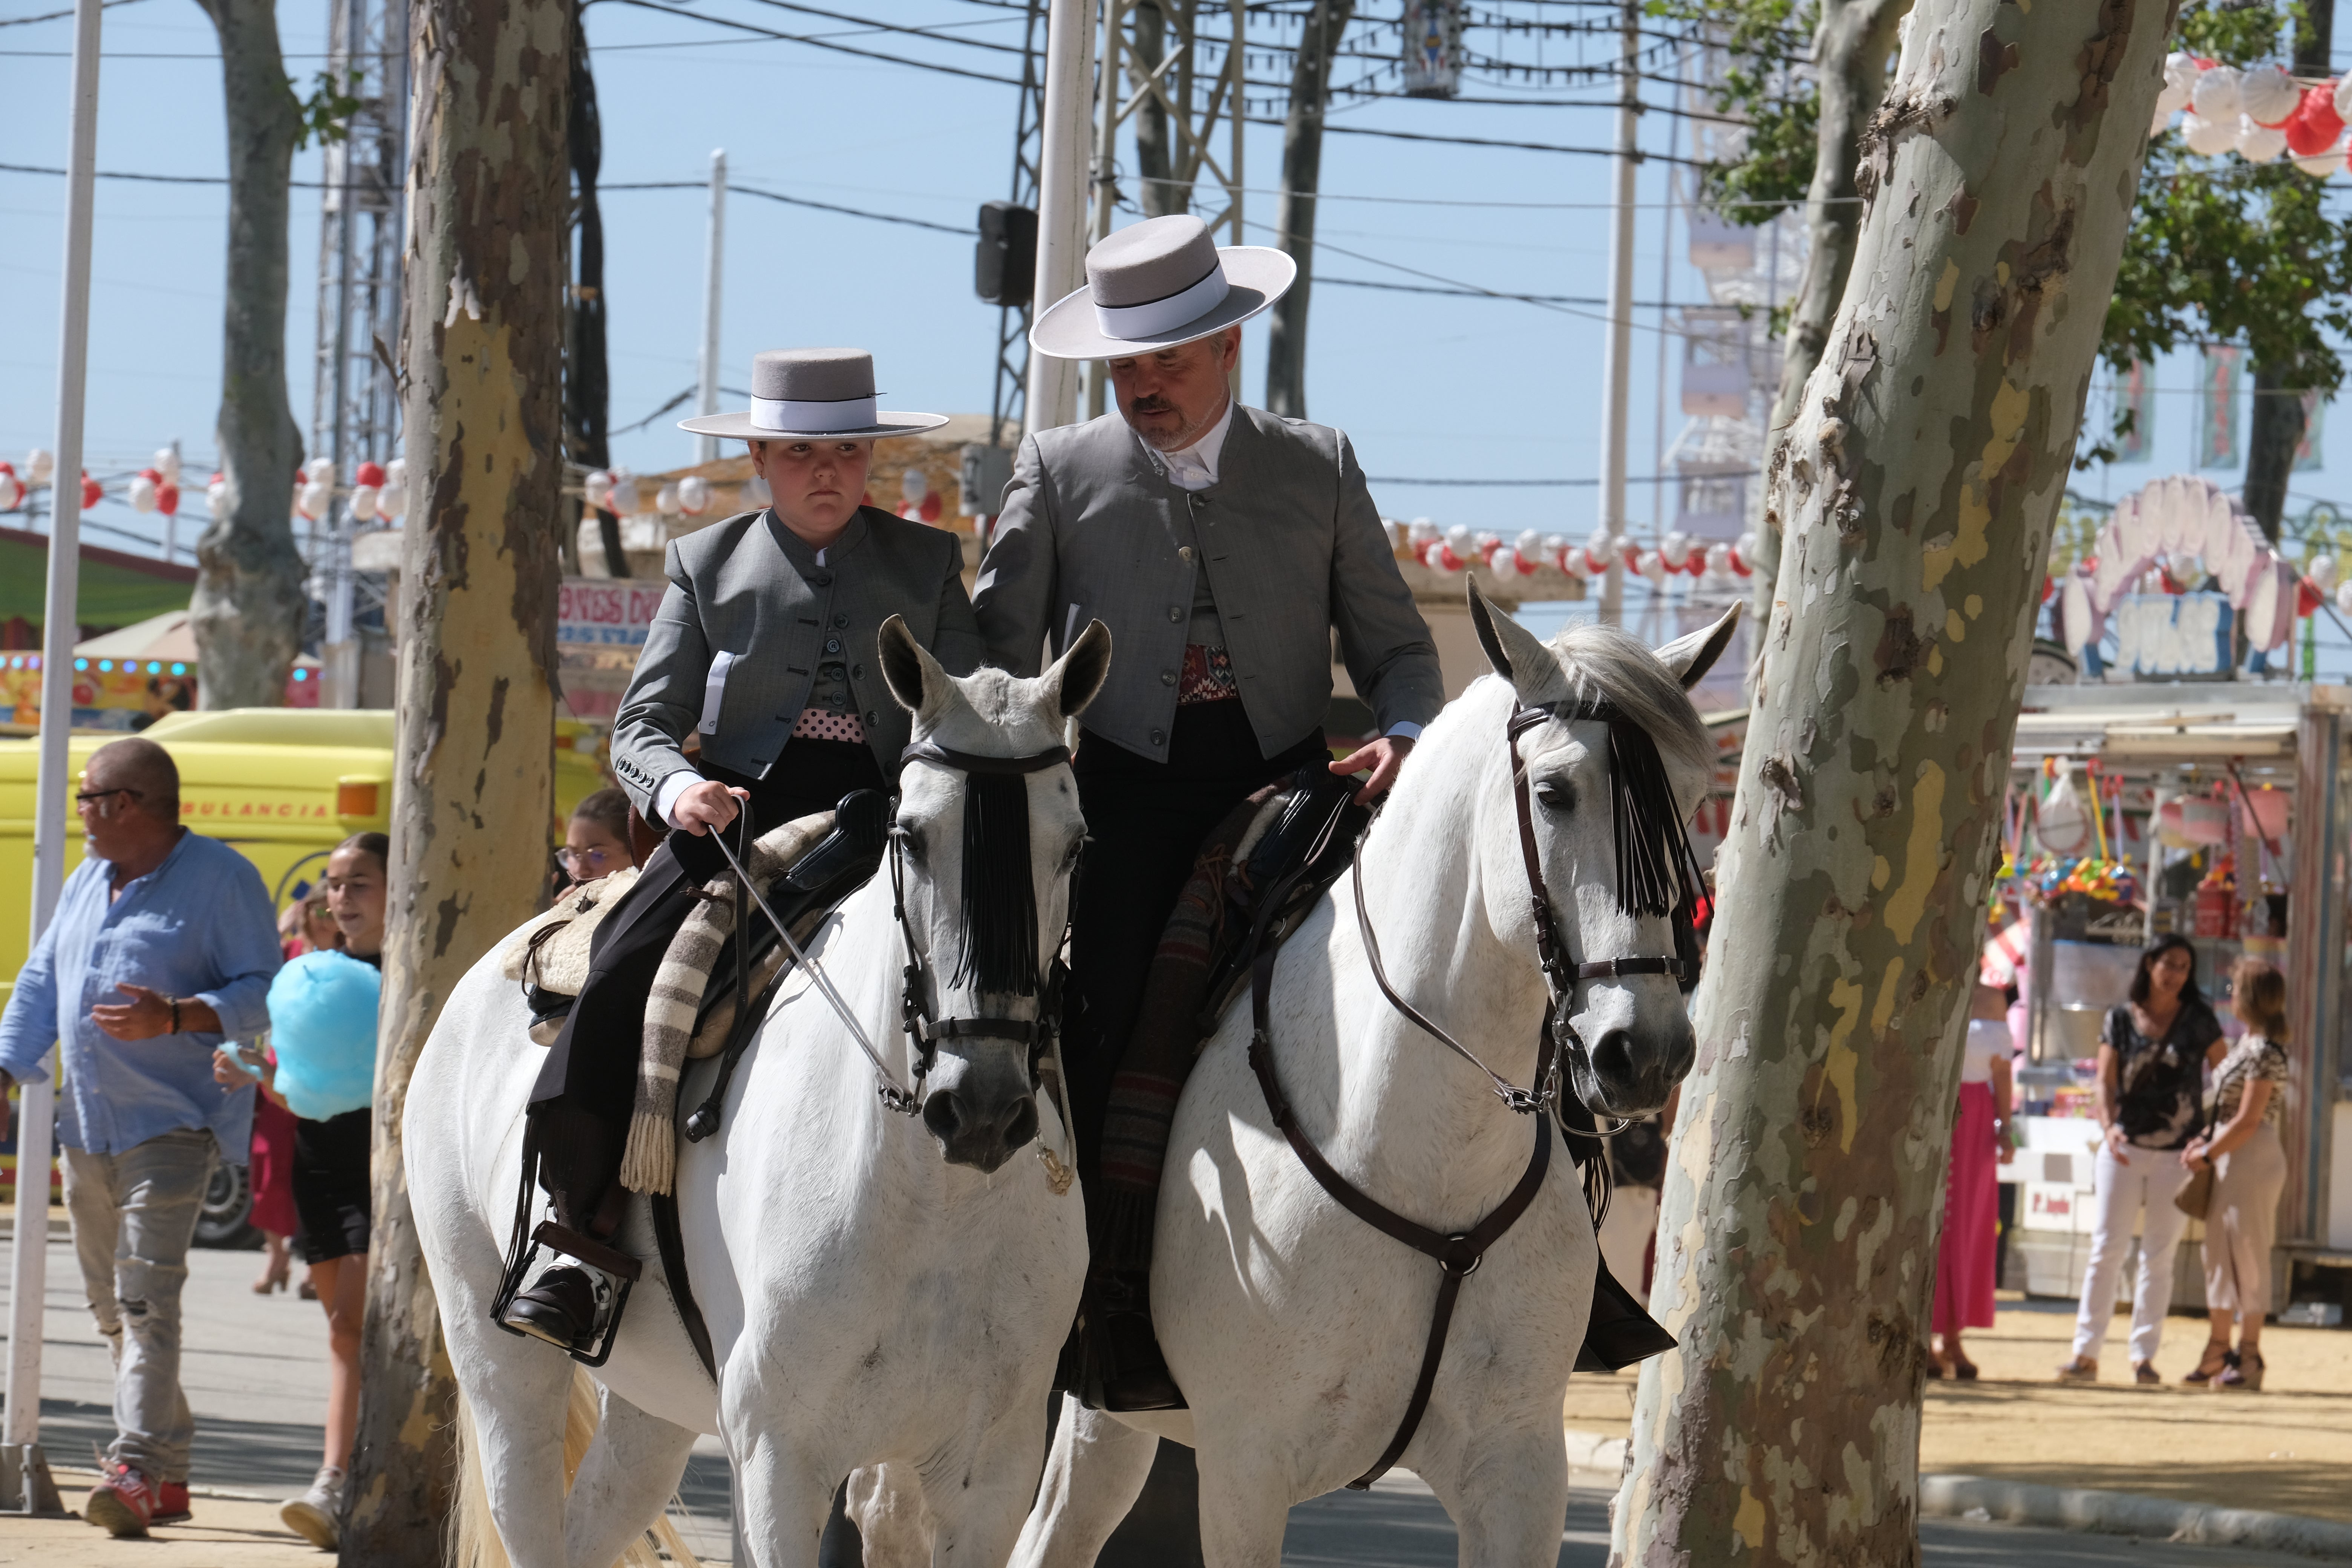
[(322, 1026)]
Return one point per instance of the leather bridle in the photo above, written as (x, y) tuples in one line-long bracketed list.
[(924, 1031)]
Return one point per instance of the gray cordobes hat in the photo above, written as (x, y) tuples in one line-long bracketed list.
[(1159, 283), (813, 394)]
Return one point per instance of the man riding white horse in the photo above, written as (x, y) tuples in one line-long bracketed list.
[(1223, 546)]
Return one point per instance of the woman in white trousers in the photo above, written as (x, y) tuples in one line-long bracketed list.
[(2152, 1057)]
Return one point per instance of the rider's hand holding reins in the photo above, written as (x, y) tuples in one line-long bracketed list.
[(1383, 756), (709, 805)]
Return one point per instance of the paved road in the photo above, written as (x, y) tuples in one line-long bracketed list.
[(256, 1375)]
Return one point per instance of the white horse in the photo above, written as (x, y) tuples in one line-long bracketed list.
[(877, 1288), (1295, 1330)]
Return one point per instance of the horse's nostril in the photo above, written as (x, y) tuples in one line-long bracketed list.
[(1613, 1056), (942, 1114), (1021, 1122)]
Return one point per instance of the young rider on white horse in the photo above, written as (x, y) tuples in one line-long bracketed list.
[(763, 648)]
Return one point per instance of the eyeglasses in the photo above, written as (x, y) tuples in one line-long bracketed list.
[(100, 800), (584, 863)]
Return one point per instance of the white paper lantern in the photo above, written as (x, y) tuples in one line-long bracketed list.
[(12, 488), (391, 500), (693, 495), (598, 488), (1529, 544), (2344, 597), (41, 467), (2323, 571), (216, 496), (624, 493), (1457, 540), (2268, 96), (2343, 97), (142, 490), (2214, 95), (2180, 81), (2319, 165), (1420, 531), (666, 500), (1677, 547), (313, 498), (1505, 564), (167, 465), (319, 471), (1394, 532), (2257, 142), (363, 503), (1718, 562), (2208, 137)]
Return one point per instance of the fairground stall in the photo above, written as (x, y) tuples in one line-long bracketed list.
[(2166, 779)]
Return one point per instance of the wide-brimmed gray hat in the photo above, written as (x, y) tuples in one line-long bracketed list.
[(813, 394), (1159, 283)]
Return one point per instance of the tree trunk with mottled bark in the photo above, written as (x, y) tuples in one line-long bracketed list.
[(473, 798), (1850, 47), (1294, 221), (1797, 1243), (250, 602)]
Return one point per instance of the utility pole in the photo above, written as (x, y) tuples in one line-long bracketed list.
[(28, 1252), (706, 448), (1006, 403), (1617, 358), (1052, 395), (1302, 174)]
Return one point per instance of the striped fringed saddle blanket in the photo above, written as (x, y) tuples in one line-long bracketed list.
[(649, 1163), (550, 954)]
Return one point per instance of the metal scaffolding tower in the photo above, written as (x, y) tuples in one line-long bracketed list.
[(355, 407)]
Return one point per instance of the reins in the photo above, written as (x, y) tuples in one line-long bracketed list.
[(1657, 875)]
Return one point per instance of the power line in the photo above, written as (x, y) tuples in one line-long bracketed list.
[(58, 16), (819, 43), (1336, 130), (1319, 279)]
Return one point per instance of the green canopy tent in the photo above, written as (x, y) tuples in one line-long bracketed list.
[(117, 589)]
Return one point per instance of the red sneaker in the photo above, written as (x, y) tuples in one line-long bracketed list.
[(123, 1501), (171, 1504)]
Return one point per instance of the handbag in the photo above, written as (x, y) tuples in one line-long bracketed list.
[(2194, 1198)]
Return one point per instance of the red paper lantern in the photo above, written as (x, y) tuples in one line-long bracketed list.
[(2314, 125), (369, 474), (92, 492), (167, 500)]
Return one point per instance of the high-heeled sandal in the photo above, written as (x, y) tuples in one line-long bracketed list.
[(2218, 1359), (2245, 1373), (273, 1277)]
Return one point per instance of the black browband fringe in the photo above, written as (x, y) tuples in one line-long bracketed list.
[(1657, 870), (999, 894)]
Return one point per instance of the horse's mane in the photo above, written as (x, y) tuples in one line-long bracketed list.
[(1604, 661)]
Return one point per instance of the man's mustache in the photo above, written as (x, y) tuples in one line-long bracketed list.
[(1151, 405)]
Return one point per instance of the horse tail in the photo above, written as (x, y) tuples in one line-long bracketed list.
[(474, 1540)]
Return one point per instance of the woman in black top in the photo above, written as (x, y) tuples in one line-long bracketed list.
[(2152, 1059)]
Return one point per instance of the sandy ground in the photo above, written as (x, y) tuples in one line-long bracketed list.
[(2288, 1449)]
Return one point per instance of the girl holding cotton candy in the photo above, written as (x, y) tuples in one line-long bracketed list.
[(322, 1030)]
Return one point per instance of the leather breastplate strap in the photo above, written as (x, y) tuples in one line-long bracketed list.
[(1458, 1255)]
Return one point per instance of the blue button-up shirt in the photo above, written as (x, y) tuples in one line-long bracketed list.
[(196, 927)]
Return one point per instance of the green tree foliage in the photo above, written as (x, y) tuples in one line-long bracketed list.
[(2220, 250)]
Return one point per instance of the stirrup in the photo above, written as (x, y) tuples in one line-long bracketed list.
[(610, 1271)]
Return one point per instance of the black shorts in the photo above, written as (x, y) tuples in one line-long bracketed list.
[(331, 1187)]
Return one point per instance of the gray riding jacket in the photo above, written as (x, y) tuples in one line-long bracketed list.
[(750, 620), (1292, 547)]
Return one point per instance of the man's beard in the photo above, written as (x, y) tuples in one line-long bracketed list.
[(1183, 438)]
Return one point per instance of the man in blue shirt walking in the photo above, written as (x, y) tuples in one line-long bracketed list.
[(163, 947)]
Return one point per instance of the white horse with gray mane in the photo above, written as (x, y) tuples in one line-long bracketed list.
[(875, 1288), (1295, 1330)]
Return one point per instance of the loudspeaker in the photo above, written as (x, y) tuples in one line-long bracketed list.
[(1004, 264)]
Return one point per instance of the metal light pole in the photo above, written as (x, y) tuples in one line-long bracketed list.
[(1617, 358), (28, 1252), (706, 448), (1067, 143)]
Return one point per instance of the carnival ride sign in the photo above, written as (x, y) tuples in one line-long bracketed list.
[(601, 625), (2171, 523), (2173, 635)]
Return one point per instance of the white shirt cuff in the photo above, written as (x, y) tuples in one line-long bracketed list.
[(665, 793), (1403, 729)]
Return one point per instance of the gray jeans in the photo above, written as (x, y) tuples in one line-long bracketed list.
[(134, 1215)]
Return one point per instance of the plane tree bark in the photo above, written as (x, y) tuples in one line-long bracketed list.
[(1850, 48), (249, 604), (1926, 464), (473, 797)]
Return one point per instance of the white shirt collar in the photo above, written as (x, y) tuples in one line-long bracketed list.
[(1195, 468)]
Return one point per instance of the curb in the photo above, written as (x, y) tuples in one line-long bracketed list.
[(2129, 1513)]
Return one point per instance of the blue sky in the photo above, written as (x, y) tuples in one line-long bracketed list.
[(1429, 387)]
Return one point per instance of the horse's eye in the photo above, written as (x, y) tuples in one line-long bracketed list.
[(1555, 794), (910, 843)]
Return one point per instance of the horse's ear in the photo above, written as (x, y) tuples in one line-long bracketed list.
[(1690, 658), (908, 669), (1078, 675), (1517, 654)]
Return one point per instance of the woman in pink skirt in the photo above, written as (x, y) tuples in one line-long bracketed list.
[(1964, 1259)]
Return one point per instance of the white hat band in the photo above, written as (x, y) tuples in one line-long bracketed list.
[(1135, 323), (786, 415)]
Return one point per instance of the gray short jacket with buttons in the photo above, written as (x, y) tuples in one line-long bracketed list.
[(1293, 548), (751, 626)]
